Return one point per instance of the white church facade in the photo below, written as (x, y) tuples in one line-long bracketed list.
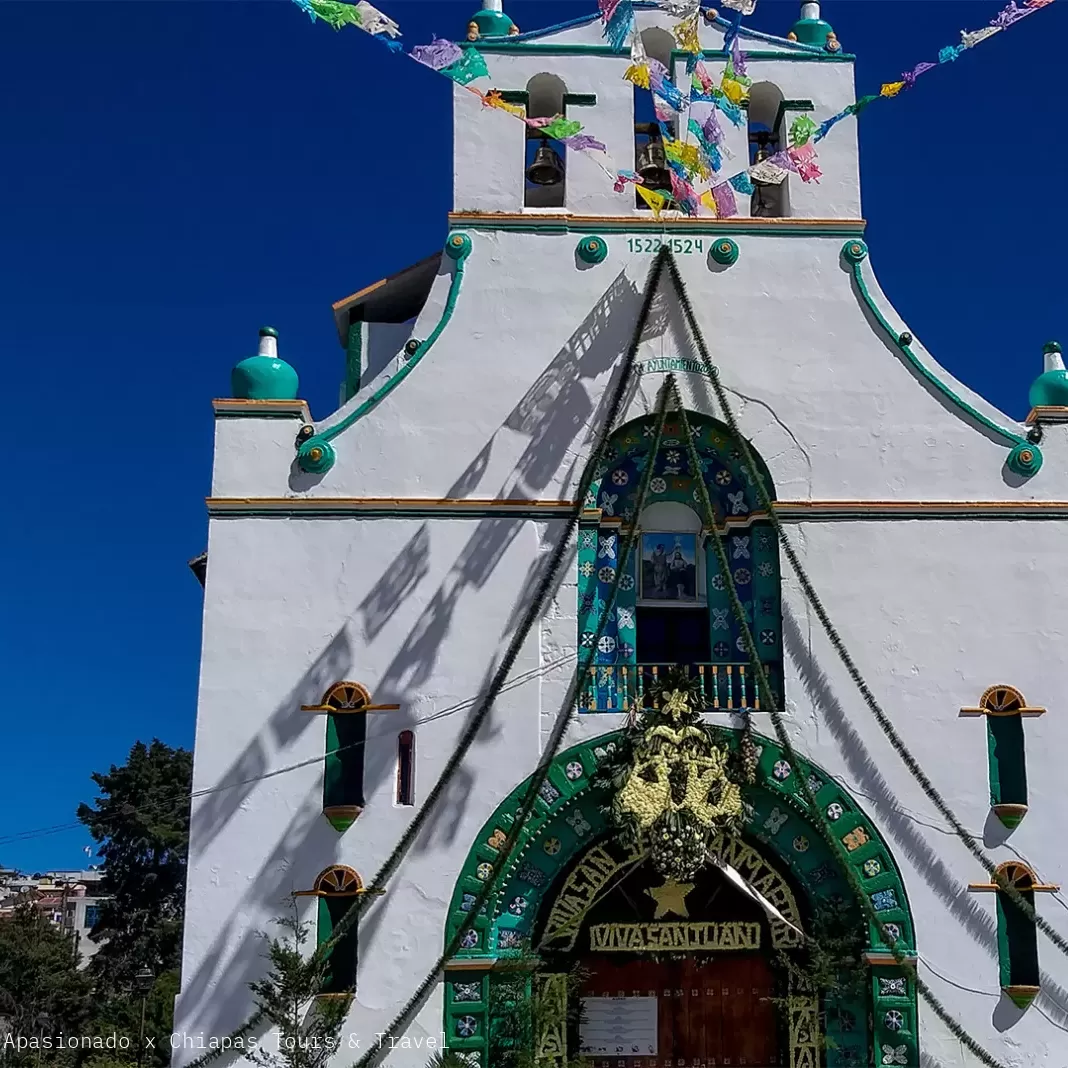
[(553, 373)]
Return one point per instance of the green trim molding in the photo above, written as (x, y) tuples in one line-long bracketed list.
[(1025, 458), (315, 454), (780, 834)]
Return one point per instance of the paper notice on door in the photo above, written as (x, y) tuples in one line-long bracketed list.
[(618, 1027)]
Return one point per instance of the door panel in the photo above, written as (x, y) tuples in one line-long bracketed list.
[(712, 1012)]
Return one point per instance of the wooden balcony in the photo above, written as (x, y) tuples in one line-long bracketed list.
[(627, 687)]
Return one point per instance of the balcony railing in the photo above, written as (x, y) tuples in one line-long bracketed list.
[(629, 687)]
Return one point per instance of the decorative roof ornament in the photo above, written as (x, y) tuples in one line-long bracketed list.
[(491, 21), (810, 29), (264, 376), (1050, 389)]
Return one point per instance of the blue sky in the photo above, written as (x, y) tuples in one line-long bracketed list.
[(177, 174)]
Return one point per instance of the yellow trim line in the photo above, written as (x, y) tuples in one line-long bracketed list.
[(796, 511)]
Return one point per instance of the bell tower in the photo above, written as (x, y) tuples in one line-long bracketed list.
[(502, 165)]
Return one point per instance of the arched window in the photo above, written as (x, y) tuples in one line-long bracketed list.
[(1017, 936), (649, 159), (337, 887), (673, 603), (672, 608), (546, 160), (766, 137), (406, 768), (346, 706), (1004, 708)]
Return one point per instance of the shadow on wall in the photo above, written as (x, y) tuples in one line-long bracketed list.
[(216, 998), (976, 920), (558, 406), (551, 415), (287, 723)]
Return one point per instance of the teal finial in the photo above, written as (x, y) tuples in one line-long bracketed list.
[(592, 250), (265, 376), (491, 21), (1050, 389), (810, 29)]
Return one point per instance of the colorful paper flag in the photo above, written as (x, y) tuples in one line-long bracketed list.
[(374, 22), (438, 54), (726, 205), (335, 14), (560, 128), (656, 201), (741, 184), (493, 99), (970, 40), (466, 69), (618, 28), (583, 143), (801, 129)]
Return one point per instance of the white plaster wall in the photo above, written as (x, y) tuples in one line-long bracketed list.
[(489, 145), (534, 341), (932, 611), (419, 613)]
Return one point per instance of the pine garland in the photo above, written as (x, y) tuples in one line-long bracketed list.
[(530, 617), (825, 829), (898, 744), (556, 738)]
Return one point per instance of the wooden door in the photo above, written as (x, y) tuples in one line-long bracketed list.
[(712, 1011)]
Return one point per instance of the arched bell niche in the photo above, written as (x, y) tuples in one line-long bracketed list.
[(563, 872), (672, 606)]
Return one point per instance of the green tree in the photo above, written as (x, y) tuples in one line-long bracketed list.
[(140, 821), (42, 992), (308, 1027)]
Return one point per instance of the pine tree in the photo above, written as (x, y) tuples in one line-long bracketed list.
[(308, 1027), (141, 822), (42, 992)]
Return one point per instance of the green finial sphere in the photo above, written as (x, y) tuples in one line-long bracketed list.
[(724, 251), (592, 250), (264, 378)]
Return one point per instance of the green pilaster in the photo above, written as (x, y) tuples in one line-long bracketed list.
[(587, 596), (353, 360)]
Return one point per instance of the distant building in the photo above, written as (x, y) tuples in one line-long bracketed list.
[(70, 899)]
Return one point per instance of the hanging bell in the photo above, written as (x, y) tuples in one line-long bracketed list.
[(547, 168), (652, 165)]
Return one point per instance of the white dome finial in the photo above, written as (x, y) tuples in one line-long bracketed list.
[(810, 10), (493, 5)]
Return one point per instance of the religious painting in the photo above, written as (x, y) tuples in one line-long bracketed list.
[(669, 567)]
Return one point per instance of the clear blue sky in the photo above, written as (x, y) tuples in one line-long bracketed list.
[(177, 174)]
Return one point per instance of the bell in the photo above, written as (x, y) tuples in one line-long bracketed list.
[(652, 165), (547, 168)]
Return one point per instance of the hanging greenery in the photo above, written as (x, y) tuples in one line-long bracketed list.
[(671, 787)]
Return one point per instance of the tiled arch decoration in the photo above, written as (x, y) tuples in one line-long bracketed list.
[(567, 819), (751, 541)]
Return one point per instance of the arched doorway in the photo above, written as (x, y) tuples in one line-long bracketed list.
[(564, 871), (671, 971)]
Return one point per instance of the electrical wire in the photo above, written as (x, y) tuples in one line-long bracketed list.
[(182, 798)]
